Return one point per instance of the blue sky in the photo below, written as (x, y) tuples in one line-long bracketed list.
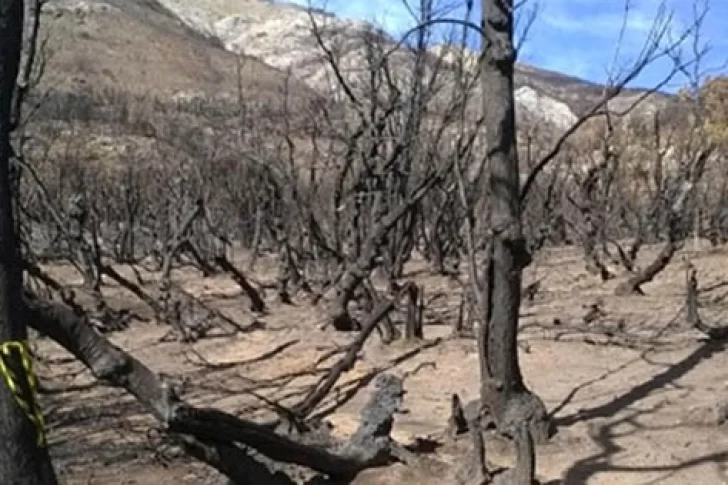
[(576, 37)]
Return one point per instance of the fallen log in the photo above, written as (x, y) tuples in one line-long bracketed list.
[(214, 436)]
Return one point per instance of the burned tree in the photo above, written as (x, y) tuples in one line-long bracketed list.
[(504, 395), (24, 458), (384, 178), (678, 199), (214, 436), (503, 392), (392, 165), (641, 187)]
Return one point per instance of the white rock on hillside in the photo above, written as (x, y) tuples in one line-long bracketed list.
[(280, 35), (533, 104)]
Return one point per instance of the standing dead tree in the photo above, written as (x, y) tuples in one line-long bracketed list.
[(606, 174), (214, 436), (24, 457), (503, 393), (175, 218), (678, 194), (386, 177), (514, 409), (644, 184)]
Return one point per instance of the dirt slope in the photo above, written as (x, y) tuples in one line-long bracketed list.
[(279, 33), (137, 45)]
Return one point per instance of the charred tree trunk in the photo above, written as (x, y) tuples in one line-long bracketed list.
[(179, 238), (632, 285), (685, 187), (503, 391), (413, 325), (525, 468), (24, 458), (211, 435), (593, 223), (355, 272), (257, 304)]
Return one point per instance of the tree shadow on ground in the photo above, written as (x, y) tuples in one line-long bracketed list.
[(674, 372), (582, 470)]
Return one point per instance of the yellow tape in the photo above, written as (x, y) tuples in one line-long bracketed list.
[(29, 404)]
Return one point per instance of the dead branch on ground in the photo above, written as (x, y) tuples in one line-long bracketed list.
[(208, 431)]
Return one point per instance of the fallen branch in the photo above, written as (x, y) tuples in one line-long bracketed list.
[(227, 365), (137, 290), (210, 434), (256, 302), (322, 388)]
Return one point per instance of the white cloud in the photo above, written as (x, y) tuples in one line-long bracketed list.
[(585, 17)]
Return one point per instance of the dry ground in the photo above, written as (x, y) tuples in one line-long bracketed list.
[(636, 394)]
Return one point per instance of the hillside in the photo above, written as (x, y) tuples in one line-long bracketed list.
[(199, 191), (140, 47), (180, 48), (279, 34), (127, 80)]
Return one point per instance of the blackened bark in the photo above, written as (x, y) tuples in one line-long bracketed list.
[(137, 290), (324, 386), (211, 435), (234, 462), (24, 458), (632, 286), (256, 301), (474, 470), (592, 222), (503, 391), (179, 238), (413, 324), (692, 310), (457, 424), (525, 468), (679, 206), (354, 273), (107, 362)]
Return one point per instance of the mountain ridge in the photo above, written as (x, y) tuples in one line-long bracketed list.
[(279, 34), (187, 48)]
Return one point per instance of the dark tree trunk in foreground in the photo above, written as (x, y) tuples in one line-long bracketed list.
[(24, 458), (503, 392)]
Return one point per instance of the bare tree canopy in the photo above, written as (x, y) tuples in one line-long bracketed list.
[(364, 218)]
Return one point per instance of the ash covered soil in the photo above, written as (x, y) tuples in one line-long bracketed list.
[(638, 396)]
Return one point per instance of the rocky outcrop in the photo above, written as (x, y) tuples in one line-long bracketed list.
[(280, 35)]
